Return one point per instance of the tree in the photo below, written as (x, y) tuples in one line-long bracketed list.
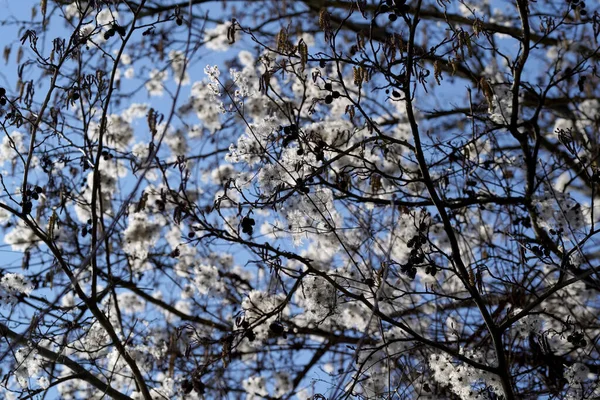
[(323, 199)]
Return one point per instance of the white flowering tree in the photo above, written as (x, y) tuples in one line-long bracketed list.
[(311, 199)]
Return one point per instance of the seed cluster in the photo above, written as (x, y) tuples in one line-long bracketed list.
[(395, 8), (248, 225)]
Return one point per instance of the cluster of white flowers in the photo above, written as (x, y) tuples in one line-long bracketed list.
[(214, 84), (141, 235), (559, 211), (111, 171), (135, 111), (373, 383), (176, 140), (318, 298), (243, 82), (578, 373), (12, 144), (255, 387), (29, 366), (216, 38), (207, 110), (12, 286), (155, 86), (257, 305), (118, 134), (464, 380), (529, 323), (130, 303), (501, 108), (93, 344), (376, 378), (579, 377), (76, 8), (178, 63), (207, 280), (94, 31), (222, 174), (21, 237), (145, 356), (251, 146)]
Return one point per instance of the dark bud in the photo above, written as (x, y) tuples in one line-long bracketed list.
[(109, 33), (247, 225), (392, 17), (250, 335), (581, 83), (395, 93), (328, 86), (3, 101), (120, 30), (179, 21), (89, 221), (401, 10), (191, 234), (199, 386), (320, 155), (299, 152), (35, 196), (84, 231), (187, 386), (2, 92), (335, 94), (75, 96), (276, 328), (328, 99), (38, 189), (412, 273), (322, 63), (431, 270)]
